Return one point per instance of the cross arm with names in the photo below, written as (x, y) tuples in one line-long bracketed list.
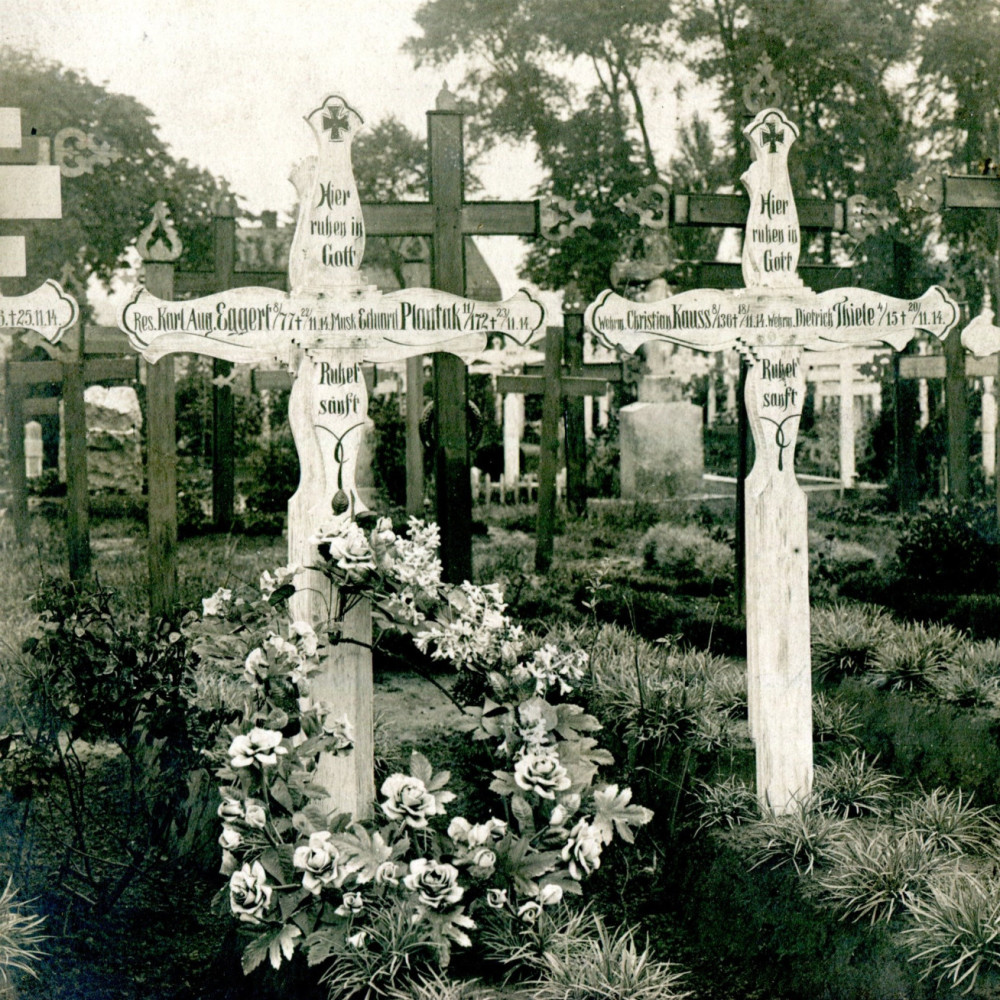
[(772, 320)]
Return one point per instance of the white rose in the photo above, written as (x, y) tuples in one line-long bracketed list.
[(541, 774), (385, 874), (459, 828), (357, 941), (304, 636), (407, 799), (550, 894), (213, 605), (351, 904), (528, 912), (484, 858), (435, 884), (230, 838), (582, 850), (318, 861), (249, 893), (496, 898), (256, 815), (259, 746), (230, 809), (255, 664)]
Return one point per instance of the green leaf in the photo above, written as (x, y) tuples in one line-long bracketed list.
[(523, 813), (281, 795), (613, 812), (503, 783), (281, 594), (322, 944), (420, 767), (362, 853), (271, 863), (255, 953), (283, 944)]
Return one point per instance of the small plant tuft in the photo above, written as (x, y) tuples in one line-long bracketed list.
[(914, 657), (947, 819), (20, 936), (845, 638), (727, 803), (852, 786)]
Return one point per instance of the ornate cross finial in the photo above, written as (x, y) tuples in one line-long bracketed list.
[(159, 241), (650, 205), (763, 90), (923, 192), (560, 218), (76, 152)]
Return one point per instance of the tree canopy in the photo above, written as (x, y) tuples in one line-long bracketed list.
[(105, 210)]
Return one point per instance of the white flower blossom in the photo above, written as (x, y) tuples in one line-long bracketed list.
[(351, 904), (529, 912), (582, 850), (213, 605), (357, 941), (541, 774), (230, 838), (496, 899), (259, 746), (550, 894), (256, 815), (408, 799), (318, 861), (435, 883), (249, 893)]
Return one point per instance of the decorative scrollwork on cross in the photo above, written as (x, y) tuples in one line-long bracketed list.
[(560, 218), (866, 218), (763, 90), (76, 152), (159, 241), (877, 368), (923, 192), (650, 205)]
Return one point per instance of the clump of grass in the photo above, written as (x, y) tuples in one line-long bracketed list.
[(947, 819), (804, 838), (727, 803), (834, 721), (437, 986), (914, 657), (956, 929), (729, 690), (603, 965), (20, 936), (962, 686), (845, 638), (874, 873), (686, 552), (852, 786)]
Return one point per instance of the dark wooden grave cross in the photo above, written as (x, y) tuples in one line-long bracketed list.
[(556, 383), (28, 190), (446, 219), (222, 277), (772, 320), (323, 330)]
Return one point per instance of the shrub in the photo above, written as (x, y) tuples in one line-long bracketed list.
[(687, 553), (806, 838), (947, 820), (20, 936), (956, 929), (728, 803), (273, 476), (845, 638), (874, 873), (950, 547), (913, 657), (852, 787), (606, 964), (834, 720)]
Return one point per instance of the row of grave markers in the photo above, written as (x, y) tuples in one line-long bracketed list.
[(329, 323)]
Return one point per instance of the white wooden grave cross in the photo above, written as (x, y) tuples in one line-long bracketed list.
[(982, 338), (772, 320), (322, 331)]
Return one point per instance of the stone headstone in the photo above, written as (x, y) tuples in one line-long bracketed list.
[(32, 449), (661, 448)]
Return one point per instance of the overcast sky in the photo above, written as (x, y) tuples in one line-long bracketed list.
[(228, 82)]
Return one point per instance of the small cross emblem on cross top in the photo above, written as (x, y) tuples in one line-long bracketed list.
[(772, 137)]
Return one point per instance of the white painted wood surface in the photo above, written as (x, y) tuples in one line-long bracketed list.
[(773, 319), (48, 310), (322, 332)]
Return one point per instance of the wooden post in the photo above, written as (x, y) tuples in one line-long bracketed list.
[(453, 489), (75, 436), (957, 403), (743, 446), (576, 440), (161, 461), (548, 456), (16, 472), (905, 421), (414, 446), (847, 459)]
